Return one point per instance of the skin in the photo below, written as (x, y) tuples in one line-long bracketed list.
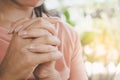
[(33, 45)]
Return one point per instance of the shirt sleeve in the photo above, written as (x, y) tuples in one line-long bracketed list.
[(3, 49), (77, 65)]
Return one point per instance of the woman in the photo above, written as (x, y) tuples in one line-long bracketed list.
[(44, 47)]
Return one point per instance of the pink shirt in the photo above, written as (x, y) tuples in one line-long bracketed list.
[(70, 66)]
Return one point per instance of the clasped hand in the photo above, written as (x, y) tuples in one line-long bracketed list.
[(34, 46)]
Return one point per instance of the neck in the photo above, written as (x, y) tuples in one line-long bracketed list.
[(11, 11)]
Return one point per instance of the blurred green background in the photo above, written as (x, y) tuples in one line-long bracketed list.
[(98, 24)]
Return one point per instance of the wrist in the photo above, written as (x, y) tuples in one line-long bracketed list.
[(49, 75), (58, 77), (5, 75), (54, 75)]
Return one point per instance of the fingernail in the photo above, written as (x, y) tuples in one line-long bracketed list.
[(22, 33), (10, 31), (58, 55), (31, 47), (18, 28)]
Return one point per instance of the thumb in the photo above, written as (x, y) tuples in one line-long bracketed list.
[(44, 70)]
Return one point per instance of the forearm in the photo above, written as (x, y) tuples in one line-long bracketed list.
[(56, 76), (52, 75), (9, 77), (4, 76)]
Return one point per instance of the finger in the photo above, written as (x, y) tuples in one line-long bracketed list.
[(53, 20), (40, 36), (41, 24), (47, 57), (41, 48), (33, 33), (17, 24), (23, 24), (34, 59), (45, 24), (49, 40), (28, 23), (44, 70)]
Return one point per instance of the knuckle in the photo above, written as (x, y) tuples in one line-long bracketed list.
[(49, 48), (57, 55), (52, 56), (27, 56), (42, 73), (44, 32)]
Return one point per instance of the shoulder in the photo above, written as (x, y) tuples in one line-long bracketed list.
[(67, 34), (4, 42), (4, 36), (64, 28)]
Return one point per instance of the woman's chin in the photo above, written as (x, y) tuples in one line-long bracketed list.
[(34, 4), (30, 3), (40, 3)]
